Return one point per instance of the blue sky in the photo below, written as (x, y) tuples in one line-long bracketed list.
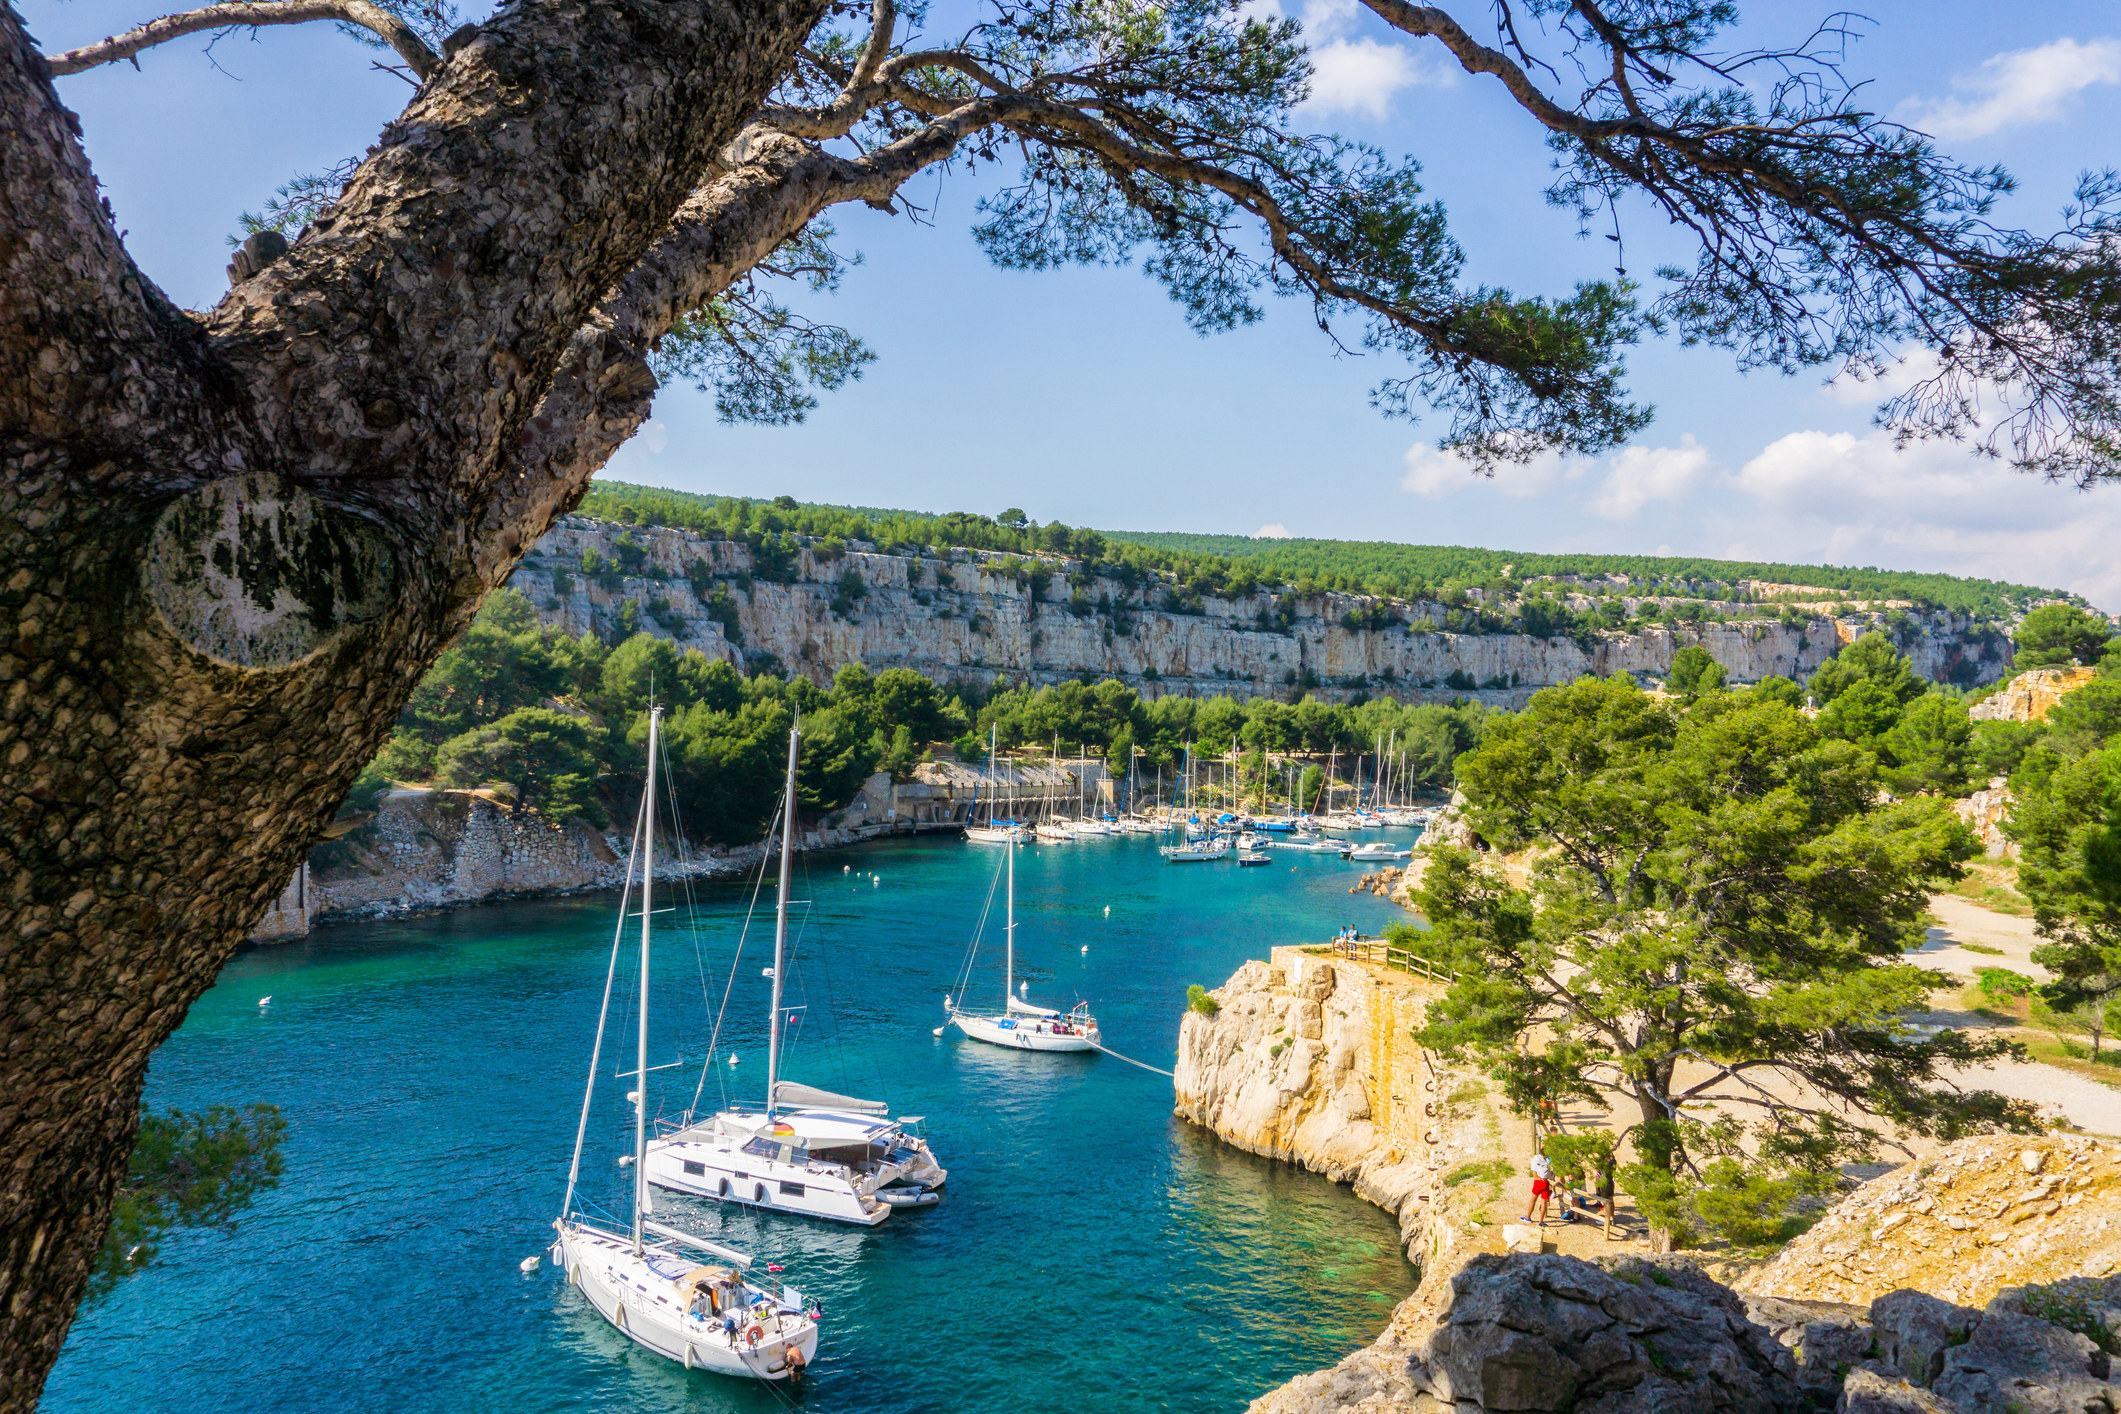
[(1081, 396)]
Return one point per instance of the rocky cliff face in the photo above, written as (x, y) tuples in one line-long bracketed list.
[(1309, 1058), (441, 848), (967, 614), (2031, 694)]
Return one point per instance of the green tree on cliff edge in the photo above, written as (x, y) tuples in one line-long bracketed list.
[(1710, 943)]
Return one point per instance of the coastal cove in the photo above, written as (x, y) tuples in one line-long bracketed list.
[(1090, 1246)]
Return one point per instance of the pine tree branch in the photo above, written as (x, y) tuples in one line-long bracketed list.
[(251, 14)]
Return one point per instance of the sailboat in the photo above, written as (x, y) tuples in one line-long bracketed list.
[(1195, 844), (1022, 1026), (995, 831), (805, 1150), (678, 1294)]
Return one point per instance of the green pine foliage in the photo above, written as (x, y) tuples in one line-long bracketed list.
[(188, 1169), (1718, 894)]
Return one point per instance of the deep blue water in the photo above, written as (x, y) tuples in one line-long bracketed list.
[(1090, 1249)]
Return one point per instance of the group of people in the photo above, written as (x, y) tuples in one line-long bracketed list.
[(1543, 1185)]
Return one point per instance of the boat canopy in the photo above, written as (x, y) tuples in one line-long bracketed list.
[(1027, 1009), (787, 1092)]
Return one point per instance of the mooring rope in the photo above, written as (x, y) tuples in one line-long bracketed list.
[(1131, 1061)]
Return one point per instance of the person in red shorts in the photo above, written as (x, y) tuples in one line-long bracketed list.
[(1542, 1187)]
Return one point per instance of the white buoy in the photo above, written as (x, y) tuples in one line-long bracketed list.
[(874, 881), (765, 972), (527, 1265), (1086, 949), (625, 1161), (732, 1057), (265, 1001), (1108, 910), (846, 868), (939, 1030)]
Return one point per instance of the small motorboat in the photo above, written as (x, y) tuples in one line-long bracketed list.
[(1247, 858), (1381, 850), (1315, 845)]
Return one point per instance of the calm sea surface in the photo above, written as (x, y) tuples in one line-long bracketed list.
[(1090, 1250)]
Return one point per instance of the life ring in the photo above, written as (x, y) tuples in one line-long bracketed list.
[(755, 1335)]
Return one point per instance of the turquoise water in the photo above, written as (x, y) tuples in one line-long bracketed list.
[(1089, 1247)]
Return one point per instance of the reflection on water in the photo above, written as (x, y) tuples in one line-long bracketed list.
[(1089, 1247)]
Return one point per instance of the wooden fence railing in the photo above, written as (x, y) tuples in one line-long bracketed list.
[(1360, 949)]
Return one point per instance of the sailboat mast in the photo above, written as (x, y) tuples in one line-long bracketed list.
[(1009, 939), (780, 930), (640, 1064)]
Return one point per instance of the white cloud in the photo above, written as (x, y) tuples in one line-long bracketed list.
[(1358, 76), (1352, 73), (1435, 475), (1809, 497), (1637, 476), (1274, 531), (2017, 87), (1816, 497)]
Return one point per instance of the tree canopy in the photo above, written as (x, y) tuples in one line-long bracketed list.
[(1711, 937)]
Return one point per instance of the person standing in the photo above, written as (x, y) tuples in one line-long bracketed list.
[(1542, 1186)]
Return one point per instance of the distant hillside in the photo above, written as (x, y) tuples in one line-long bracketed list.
[(1226, 566), (1385, 561)]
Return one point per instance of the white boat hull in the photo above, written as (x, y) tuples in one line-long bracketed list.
[(703, 1163), (1022, 1033), (645, 1308)]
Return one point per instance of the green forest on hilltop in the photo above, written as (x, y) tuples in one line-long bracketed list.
[(1234, 565)]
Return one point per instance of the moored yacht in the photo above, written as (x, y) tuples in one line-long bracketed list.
[(704, 1314), (803, 1151), (1022, 1026)]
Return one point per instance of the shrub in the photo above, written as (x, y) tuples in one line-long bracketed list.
[(1197, 999)]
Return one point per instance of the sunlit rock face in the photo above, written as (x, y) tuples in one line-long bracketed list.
[(1311, 1059), (970, 614)]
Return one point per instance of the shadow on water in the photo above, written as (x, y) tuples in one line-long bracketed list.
[(1089, 1247)]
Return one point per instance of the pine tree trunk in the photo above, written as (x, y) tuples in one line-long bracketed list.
[(231, 544)]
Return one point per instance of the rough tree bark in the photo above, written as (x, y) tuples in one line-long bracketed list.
[(230, 544)]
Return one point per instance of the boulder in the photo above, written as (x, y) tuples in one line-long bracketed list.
[(2018, 1364), (1871, 1390), (1553, 1333), (1914, 1330)]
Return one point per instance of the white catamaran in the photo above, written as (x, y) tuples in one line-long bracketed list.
[(1022, 1026), (805, 1150), (680, 1295)]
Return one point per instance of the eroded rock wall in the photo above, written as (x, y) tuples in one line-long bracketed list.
[(1310, 1058), (966, 614)]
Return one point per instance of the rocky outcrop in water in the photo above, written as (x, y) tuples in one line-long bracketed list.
[(964, 613)]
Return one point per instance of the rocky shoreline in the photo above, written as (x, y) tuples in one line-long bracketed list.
[(1307, 1057)]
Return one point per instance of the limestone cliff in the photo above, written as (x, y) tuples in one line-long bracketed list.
[(965, 613), (2031, 694), (440, 848), (1309, 1058)]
